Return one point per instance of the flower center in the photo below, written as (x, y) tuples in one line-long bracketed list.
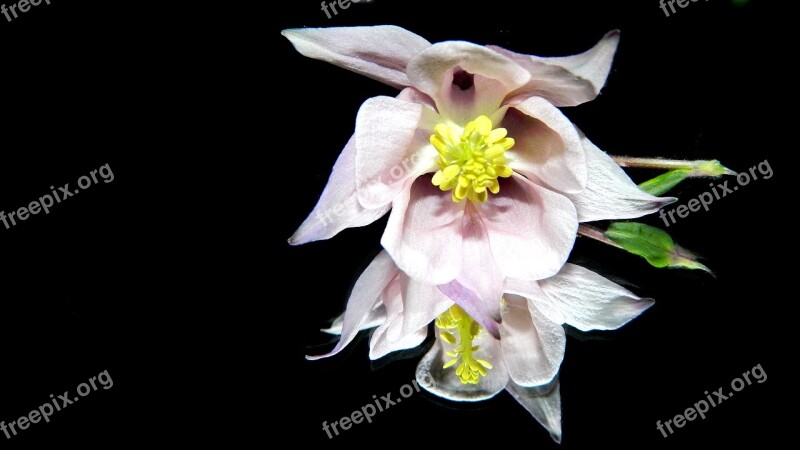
[(460, 323), (471, 158)]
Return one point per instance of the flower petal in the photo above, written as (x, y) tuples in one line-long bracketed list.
[(338, 207), (422, 303), (610, 193), (544, 404), (366, 294), (380, 345), (445, 383), (531, 229), (531, 291), (479, 271), (380, 52), (482, 310), (547, 145), (423, 234), (376, 317), (465, 79), (533, 346), (589, 301), (392, 146), (570, 80)]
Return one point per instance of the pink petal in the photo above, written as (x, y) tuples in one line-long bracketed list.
[(479, 271), (411, 307), (531, 229), (423, 234), (422, 303), (543, 403), (570, 80), (432, 71), (392, 146), (610, 193), (589, 301), (547, 145), (376, 317), (484, 311), (338, 207), (380, 52), (533, 346), (366, 294)]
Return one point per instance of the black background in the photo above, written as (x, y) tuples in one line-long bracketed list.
[(177, 279)]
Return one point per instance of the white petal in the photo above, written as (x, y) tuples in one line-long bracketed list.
[(392, 146), (446, 384), (422, 303), (533, 346), (547, 145), (376, 317), (366, 294), (531, 229), (423, 234), (610, 193), (380, 52), (338, 207), (589, 301), (544, 404), (531, 291), (570, 80), (494, 76), (380, 345)]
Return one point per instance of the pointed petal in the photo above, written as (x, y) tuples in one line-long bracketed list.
[(544, 404), (338, 207), (380, 52), (485, 312), (610, 193), (423, 234), (531, 229), (422, 303), (376, 317), (589, 301), (445, 383), (432, 71), (531, 291), (547, 145), (570, 80), (380, 345), (533, 346), (366, 293), (392, 146)]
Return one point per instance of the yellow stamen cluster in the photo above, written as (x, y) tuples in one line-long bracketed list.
[(453, 322), (471, 158)]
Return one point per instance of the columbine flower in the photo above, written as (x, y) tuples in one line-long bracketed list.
[(475, 144), (476, 355)]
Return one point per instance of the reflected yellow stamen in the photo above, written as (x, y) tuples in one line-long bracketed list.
[(456, 321), (471, 158)]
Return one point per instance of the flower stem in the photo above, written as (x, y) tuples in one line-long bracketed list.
[(596, 234)]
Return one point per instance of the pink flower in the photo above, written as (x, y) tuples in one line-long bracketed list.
[(473, 148), (476, 355)]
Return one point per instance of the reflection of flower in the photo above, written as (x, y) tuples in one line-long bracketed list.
[(477, 355), (508, 167)]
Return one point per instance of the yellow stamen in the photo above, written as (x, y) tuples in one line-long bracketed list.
[(471, 159), (456, 321)]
